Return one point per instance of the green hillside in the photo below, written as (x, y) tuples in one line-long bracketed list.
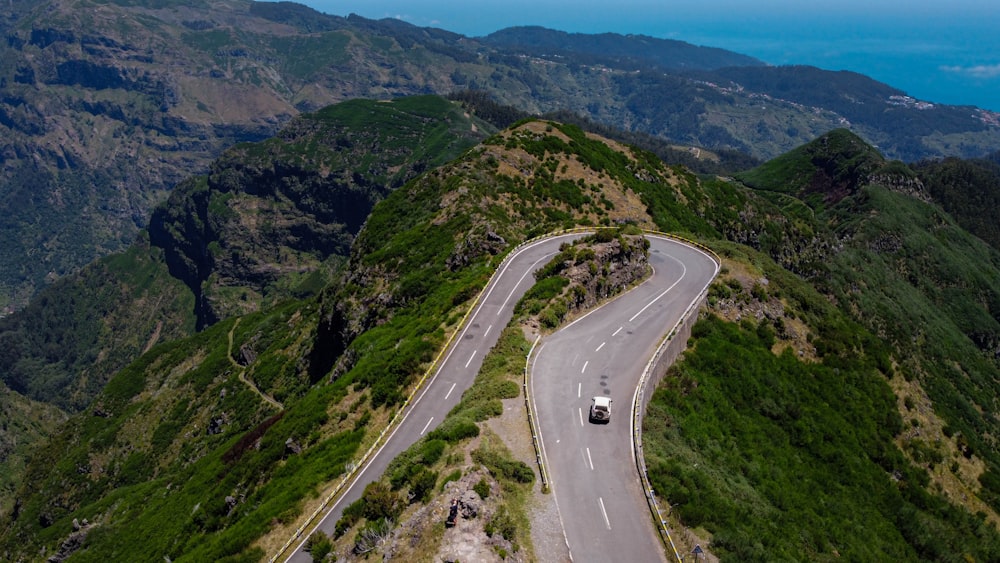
[(968, 190), (276, 218), (273, 221), (68, 342), (854, 423), (807, 401), (25, 424)]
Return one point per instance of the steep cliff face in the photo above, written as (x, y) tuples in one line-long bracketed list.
[(275, 219), (105, 108)]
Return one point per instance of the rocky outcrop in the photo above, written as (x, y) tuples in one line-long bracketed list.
[(908, 185), (603, 269), (73, 542)]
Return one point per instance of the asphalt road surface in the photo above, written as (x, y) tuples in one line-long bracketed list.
[(455, 374), (592, 466)]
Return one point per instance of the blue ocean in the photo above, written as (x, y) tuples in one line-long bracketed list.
[(940, 52)]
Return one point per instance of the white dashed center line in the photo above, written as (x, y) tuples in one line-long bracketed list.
[(426, 425)]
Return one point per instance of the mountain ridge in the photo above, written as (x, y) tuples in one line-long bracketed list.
[(123, 101), (338, 364)]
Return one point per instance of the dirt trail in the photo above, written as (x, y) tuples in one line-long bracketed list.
[(243, 372)]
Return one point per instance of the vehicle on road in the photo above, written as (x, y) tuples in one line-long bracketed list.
[(600, 410)]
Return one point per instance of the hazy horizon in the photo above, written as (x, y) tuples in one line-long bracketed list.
[(937, 52)]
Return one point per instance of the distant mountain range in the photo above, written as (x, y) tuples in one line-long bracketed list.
[(105, 107)]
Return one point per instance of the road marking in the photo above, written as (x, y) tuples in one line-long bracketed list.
[(488, 330), (529, 271), (584, 366), (470, 358), (581, 416), (425, 426), (450, 390), (615, 333), (604, 512), (590, 460), (601, 346), (579, 389), (665, 291)]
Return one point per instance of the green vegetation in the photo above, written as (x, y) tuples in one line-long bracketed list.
[(308, 191), (414, 474), (776, 456), (24, 424), (183, 458), (777, 438), (71, 340), (965, 189), (779, 458)]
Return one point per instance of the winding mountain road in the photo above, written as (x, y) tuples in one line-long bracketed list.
[(455, 374), (592, 467)]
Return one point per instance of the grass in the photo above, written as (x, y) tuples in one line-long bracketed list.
[(441, 457)]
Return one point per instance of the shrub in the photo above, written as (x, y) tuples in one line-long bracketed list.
[(319, 546), (482, 488), (422, 484), (455, 430)]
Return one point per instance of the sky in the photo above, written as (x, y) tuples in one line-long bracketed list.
[(938, 51)]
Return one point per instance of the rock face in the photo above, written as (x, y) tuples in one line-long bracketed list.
[(270, 217), (73, 542), (468, 539), (615, 265)]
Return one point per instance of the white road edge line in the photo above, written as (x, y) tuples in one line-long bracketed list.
[(529, 271), (426, 387)]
